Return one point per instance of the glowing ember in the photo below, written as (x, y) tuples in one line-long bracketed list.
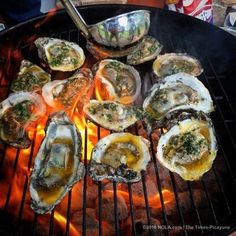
[(153, 202)]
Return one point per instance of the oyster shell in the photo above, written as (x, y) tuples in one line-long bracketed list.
[(147, 50), (65, 94), (189, 146), (57, 164), (100, 52), (119, 157), (111, 115), (31, 78), (172, 63), (17, 113), (59, 54), (176, 92), (116, 81)]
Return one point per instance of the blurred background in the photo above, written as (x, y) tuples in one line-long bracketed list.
[(223, 12)]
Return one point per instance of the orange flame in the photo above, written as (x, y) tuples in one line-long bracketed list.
[(101, 91), (62, 221), (48, 17)]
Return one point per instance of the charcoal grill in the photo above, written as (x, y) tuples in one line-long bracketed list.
[(214, 207)]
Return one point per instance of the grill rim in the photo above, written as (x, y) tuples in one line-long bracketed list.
[(97, 6)]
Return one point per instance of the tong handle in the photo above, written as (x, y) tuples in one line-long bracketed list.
[(76, 17)]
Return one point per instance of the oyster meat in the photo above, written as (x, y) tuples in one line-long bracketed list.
[(189, 146), (147, 50), (59, 54), (31, 78), (172, 63), (177, 92), (119, 157), (57, 165), (17, 113), (117, 81), (65, 94), (111, 115)]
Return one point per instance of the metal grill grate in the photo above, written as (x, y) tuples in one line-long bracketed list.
[(217, 206)]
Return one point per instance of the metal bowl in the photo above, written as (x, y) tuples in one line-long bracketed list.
[(118, 31), (121, 30)]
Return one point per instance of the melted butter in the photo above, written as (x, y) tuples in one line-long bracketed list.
[(116, 156), (50, 194)]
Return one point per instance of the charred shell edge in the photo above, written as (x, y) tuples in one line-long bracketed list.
[(121, 174)]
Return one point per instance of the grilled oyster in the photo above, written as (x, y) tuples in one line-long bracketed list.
[(176, 92), (17, 113), (100, 52), (172, 63), (60, 55), (189, 145), (147, 50), (31, 78), (65, 94), (111, 115), (57, 165), (119, 157), (116, 81)]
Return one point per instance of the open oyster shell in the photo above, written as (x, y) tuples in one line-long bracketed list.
[(17, 113), (65, 94), (188, 146), (172, 63), (117, 81), (100, 52), (111, 115), (31, 78), (177, 92), (147, 50), (57, 165), (119, 157), (59, 54)]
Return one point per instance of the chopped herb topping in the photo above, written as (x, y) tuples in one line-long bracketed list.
[(176, 66), (152, 49), (61, 54), (92, 110), (22, 111), (110, 106), (114, 64)]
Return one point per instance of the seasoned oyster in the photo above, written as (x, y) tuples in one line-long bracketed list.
[(17, 113), (117, 81), (111, 115), (100, 52), (59, 54), (147, 50), (172, 63), (119, 157), (57, 165), (189, 145), (176, 92), (65, 94), (31, 78)]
